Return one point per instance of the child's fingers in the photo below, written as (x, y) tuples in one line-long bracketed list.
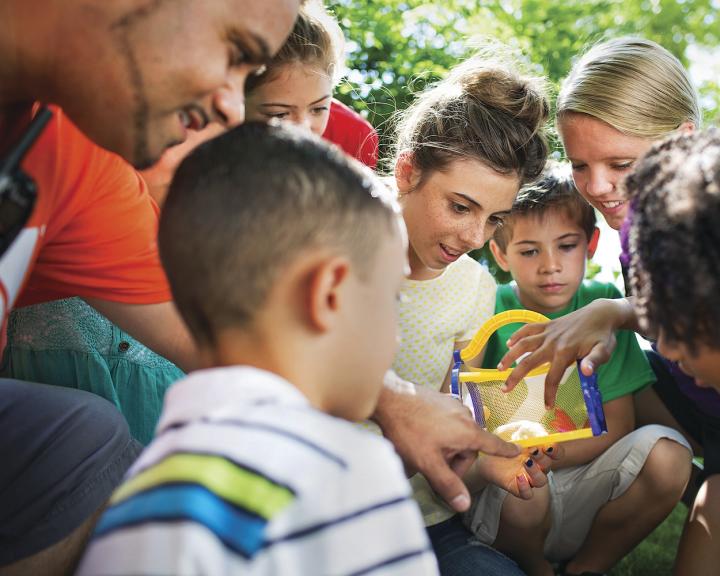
[(554, 451), (524, 490), (541, 459), (599, 354), (534, 473)]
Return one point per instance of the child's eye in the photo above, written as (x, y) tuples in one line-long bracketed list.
[(578, 167), (623, 165), (319, 110), (529, 253), (460, 208), (568, 247), (278, 115)]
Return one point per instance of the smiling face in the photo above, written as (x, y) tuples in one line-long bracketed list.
[(450, 212), (546, 257), (601, 158), (159, 70), (299, 93)]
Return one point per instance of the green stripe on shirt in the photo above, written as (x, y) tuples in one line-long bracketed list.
[(220, 476)]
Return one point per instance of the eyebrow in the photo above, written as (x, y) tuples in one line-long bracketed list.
[(281, 105), (258, 51), (611, 158), (468, 198), (567, 236)]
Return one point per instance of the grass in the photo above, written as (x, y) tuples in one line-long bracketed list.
[(654, 556)]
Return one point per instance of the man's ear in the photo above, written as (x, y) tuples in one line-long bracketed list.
[(325, 291), (499, 255), (406, 174), (593, 243)]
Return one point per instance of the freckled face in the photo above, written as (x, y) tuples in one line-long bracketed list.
[(452, 212)]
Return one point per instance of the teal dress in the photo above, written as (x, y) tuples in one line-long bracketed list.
[(68, 343)]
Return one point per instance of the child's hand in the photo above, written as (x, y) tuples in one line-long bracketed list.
[(518, 475), (546, 457), (587, 333), (435, 434)]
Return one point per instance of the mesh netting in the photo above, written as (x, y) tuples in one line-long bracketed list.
[(520, 415)]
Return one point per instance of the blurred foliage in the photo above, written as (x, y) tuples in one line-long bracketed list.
[(395, 47)]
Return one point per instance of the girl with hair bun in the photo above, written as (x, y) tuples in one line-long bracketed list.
[(463, 149)]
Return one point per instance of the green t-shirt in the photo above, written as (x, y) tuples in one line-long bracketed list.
[(627, 370)]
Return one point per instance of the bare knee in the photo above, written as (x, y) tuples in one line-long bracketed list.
[(706, 508), (667, 468)]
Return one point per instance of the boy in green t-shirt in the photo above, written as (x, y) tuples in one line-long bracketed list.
[(607, 493)]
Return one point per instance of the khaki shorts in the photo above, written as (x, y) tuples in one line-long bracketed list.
[(577, 493)]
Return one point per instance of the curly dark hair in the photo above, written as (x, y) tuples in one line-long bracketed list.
[(675, 238)]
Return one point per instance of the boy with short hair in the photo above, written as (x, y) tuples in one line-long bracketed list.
[(607, 493), (285, 259)]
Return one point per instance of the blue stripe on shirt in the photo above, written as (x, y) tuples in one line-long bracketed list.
[(239, 530)]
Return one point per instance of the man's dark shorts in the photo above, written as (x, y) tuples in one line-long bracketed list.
[(62, 452)]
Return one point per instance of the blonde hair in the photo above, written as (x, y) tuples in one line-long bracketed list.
[(484, 110), (634, 85), (316, 40)]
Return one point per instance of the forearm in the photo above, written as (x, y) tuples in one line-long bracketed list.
[(157, 326), (579, 452), (620, 422), (619, 311)]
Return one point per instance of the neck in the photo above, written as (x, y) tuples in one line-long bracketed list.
[(418, 270), (278, 351)]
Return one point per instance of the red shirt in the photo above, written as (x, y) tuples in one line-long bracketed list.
[(352, 133), (92, 232)]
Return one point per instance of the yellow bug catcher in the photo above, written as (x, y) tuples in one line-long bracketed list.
[(520, 416)]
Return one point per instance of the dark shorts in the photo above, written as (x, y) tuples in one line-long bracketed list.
[(703, 428), (62, 452)]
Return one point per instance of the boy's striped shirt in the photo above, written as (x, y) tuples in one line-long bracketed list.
[(246, 477)]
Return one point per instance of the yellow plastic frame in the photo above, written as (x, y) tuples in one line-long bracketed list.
[(483, 375)]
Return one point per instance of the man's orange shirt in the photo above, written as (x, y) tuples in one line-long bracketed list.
[(93, 230)]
